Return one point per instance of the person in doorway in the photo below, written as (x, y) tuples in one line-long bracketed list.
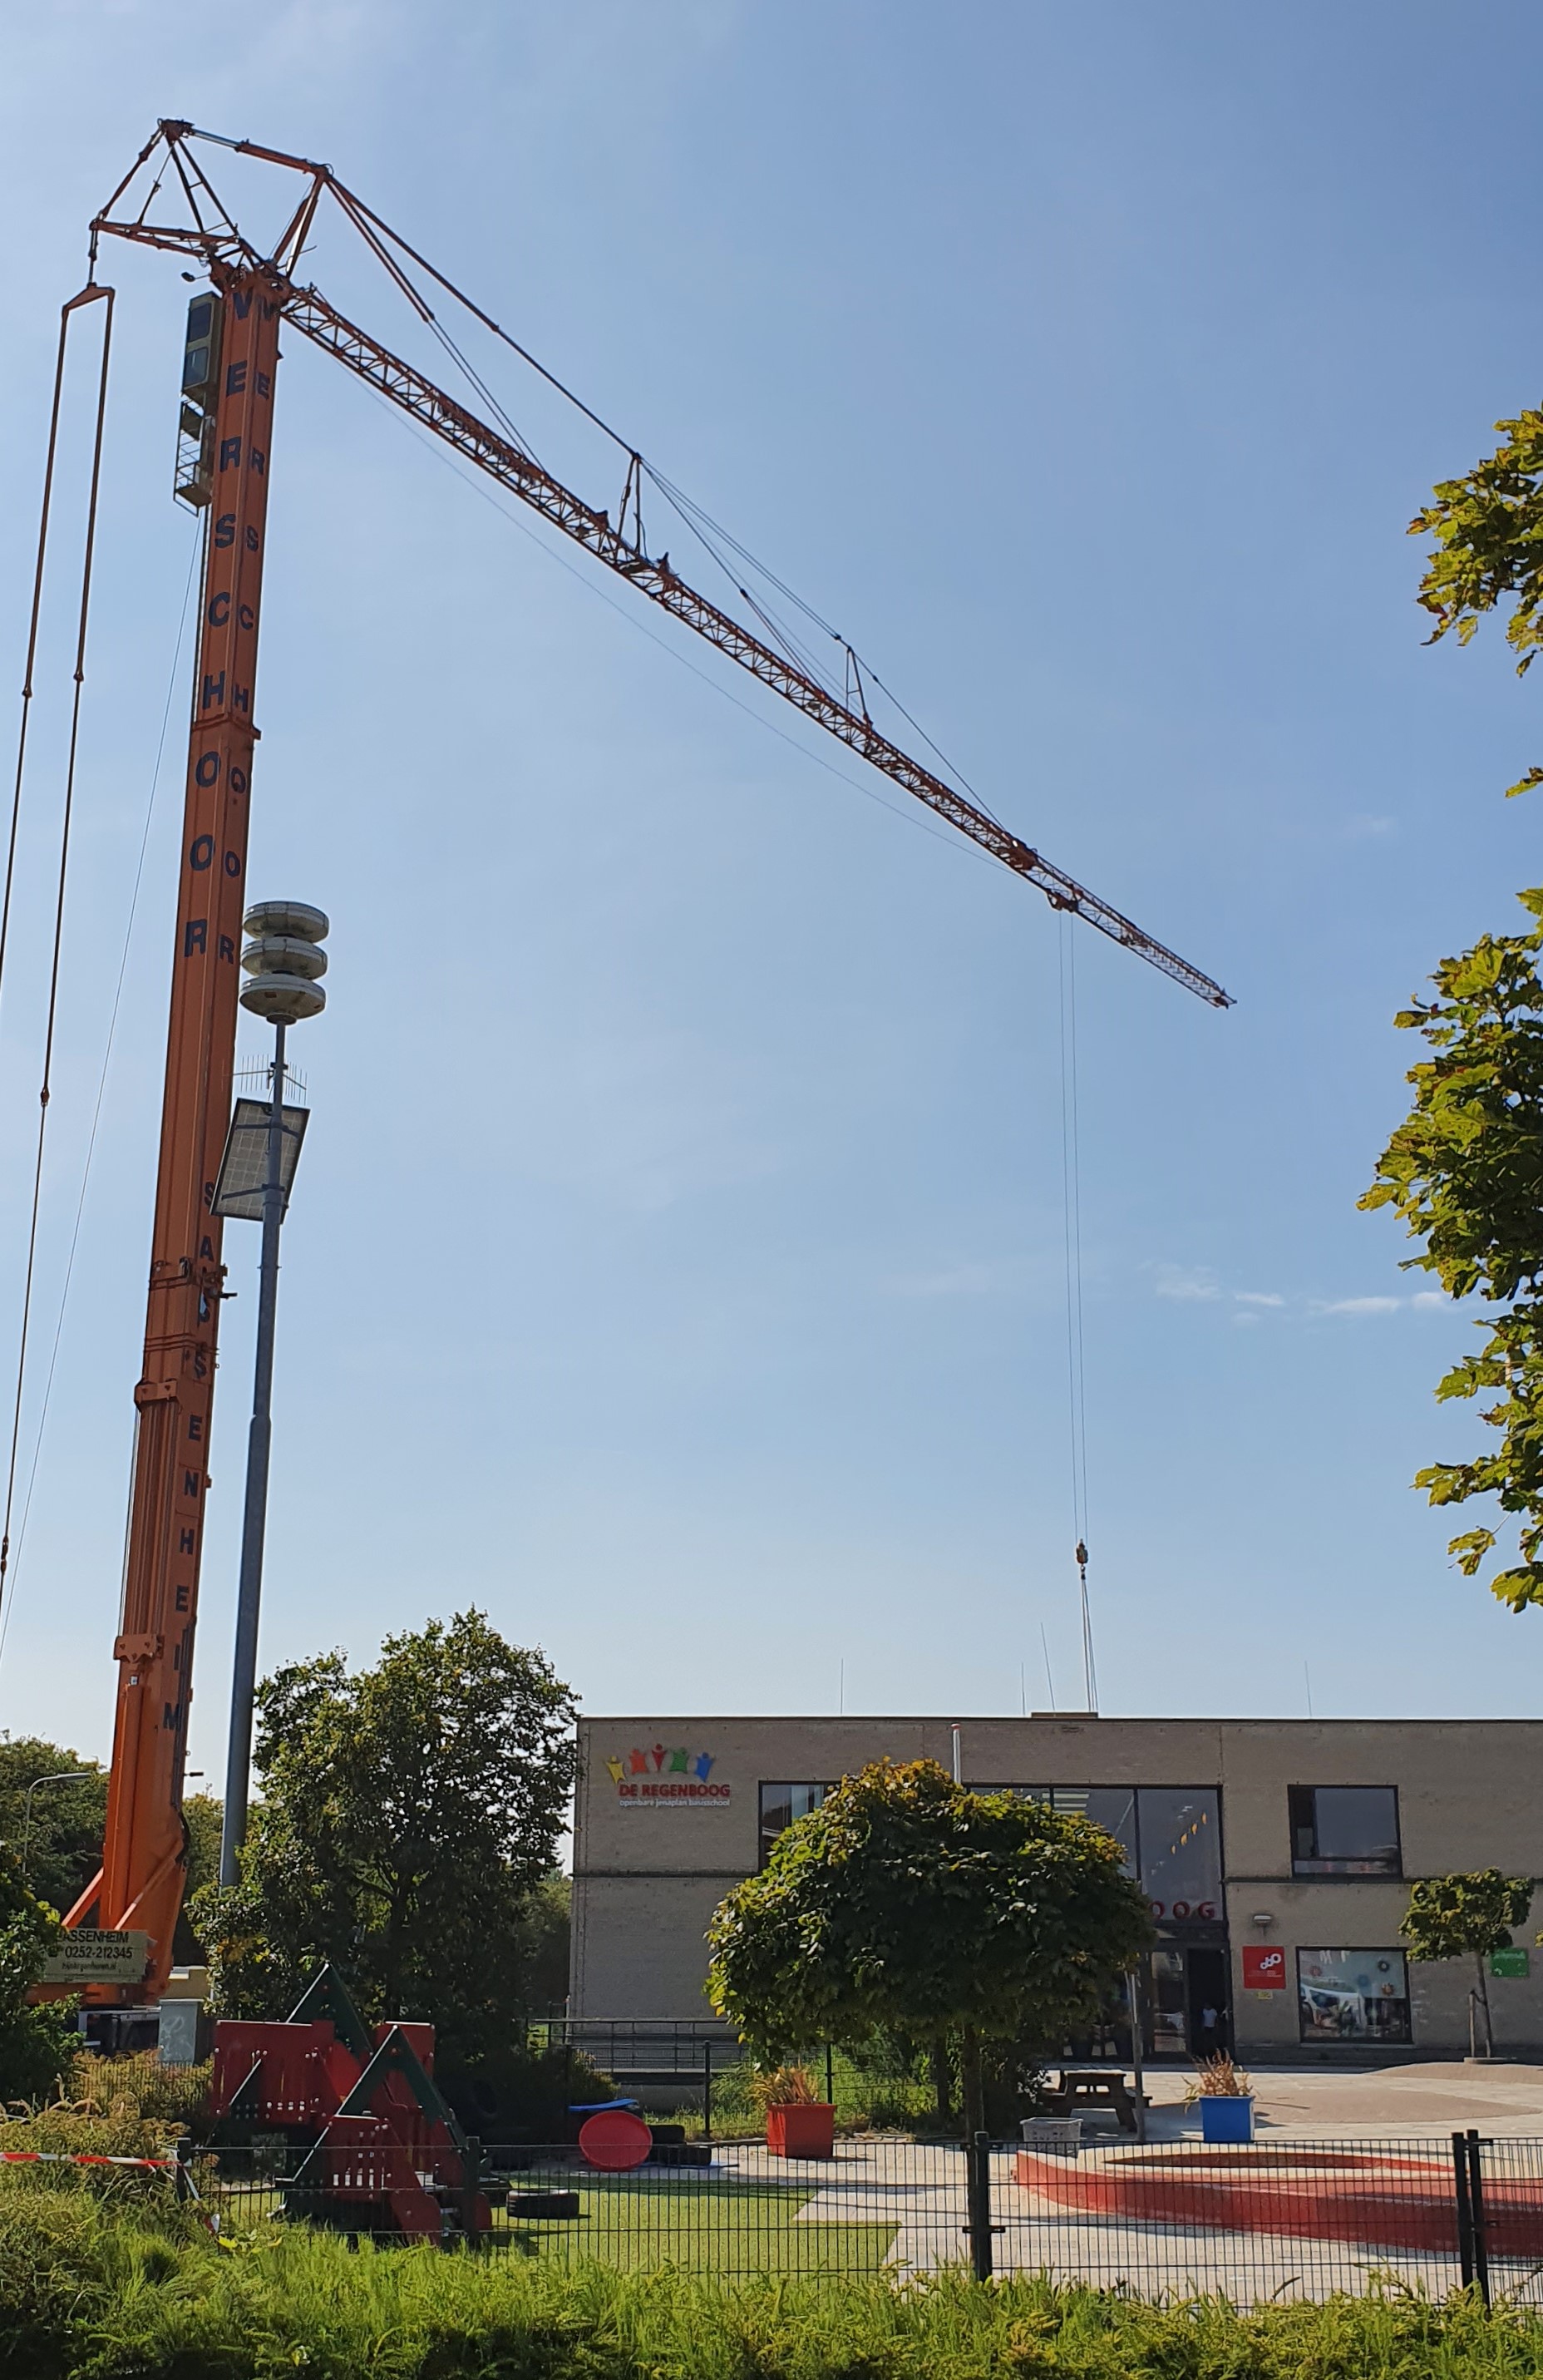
[(1210, 2031)]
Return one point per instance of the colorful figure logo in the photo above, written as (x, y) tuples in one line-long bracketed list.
[(661, 1761)]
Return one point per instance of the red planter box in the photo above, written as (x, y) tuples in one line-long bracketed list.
[(801, 2130)]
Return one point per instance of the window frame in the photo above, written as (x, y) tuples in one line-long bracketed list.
[(1186, 1924), (763, 1785), (1374, 1951), (1318, 1869)]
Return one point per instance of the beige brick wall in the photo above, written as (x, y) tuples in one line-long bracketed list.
[(647, 1874)]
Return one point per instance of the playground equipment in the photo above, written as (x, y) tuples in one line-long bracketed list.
[(382, 2150)]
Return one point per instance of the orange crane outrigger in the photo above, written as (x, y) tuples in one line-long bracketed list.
[(230, 379)]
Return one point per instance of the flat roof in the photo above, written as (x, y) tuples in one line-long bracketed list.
[(1019, 1718)]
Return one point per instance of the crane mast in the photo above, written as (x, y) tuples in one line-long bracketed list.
[(226, 445), (140, 1883)]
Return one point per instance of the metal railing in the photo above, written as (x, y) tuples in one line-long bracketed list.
[(642, 2051), (1264, 2222)]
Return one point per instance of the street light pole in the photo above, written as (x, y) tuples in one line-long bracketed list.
[(283, 963), (254, 1516)]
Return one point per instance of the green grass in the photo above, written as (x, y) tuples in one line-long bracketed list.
[(90, 2290), (708, 2224)]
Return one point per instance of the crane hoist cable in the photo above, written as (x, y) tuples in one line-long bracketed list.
[(86, 296), (1076, 1371), (18, 1542)]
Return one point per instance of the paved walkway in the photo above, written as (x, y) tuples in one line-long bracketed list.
[(1389, 2101), (919, 2190)]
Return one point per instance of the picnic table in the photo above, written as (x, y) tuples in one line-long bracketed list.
[(1092, 2087)]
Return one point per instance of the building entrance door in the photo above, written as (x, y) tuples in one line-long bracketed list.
[(1184, 1984), (1205, 1984)]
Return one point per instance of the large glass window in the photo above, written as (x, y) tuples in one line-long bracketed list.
[(1113, 1808), (1344, 1830), (1353, 1996), (780, 1804), (1181, 1852), (1171, 1836)]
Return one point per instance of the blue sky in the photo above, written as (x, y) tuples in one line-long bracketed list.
[(676, 1268)]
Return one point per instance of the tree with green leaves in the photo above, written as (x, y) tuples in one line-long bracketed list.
[(1465, 1170), (67, 1820), (543, 1940), (36, 2044), (1468, 1916), (910, 1905), (409, 1815), (202, 1815)]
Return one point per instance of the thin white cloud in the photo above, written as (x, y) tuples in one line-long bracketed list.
[(1258, 1297), (1188, 1281), (1356, 1304), (1249, 1316), (1430, 1297)]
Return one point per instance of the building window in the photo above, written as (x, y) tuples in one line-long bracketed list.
[(1113, 1808), (1344, 1830), (1181, 1852), (780, 1804), (1353, 1996), (1171, 1836)]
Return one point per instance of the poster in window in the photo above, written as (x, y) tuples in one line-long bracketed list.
[(1352, 1995)]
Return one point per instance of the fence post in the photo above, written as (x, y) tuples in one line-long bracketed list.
[(1138, 2050), (707, 2087), (182, 2180), (471, 2183), (830, 2078), (1475, 2203), (1464, 2210), (977, 2183)]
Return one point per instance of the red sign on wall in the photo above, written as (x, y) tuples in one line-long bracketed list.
[(1263, 1968)]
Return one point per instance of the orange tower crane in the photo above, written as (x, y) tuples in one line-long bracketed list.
[(230, 379)]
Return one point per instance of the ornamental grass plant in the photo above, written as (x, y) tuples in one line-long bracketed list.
[(109, 2107), (782, 2086), (1218, 2078)]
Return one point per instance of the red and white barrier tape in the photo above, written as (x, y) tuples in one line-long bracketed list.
[(59, 2157)]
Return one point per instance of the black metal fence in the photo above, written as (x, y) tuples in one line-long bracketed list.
[(643, 2053), (1268, 2221)]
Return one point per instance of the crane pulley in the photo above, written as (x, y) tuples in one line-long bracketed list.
[(229, 382)]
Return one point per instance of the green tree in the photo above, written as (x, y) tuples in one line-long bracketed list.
[(409, 1811), (1468, 1916), (1489, 550), (203, 1815), (64, 1840), (36, 2044), (908, 1903), (543, 1939), (1465, 1170)]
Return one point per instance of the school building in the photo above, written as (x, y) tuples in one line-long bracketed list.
[(1276, 1855)]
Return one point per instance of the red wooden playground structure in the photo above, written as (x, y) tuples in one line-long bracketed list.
[(380, 2149)]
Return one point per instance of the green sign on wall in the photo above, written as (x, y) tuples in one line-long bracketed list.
[(1508, 1962)]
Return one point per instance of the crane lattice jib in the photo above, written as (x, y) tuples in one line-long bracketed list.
[(218, 240)]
